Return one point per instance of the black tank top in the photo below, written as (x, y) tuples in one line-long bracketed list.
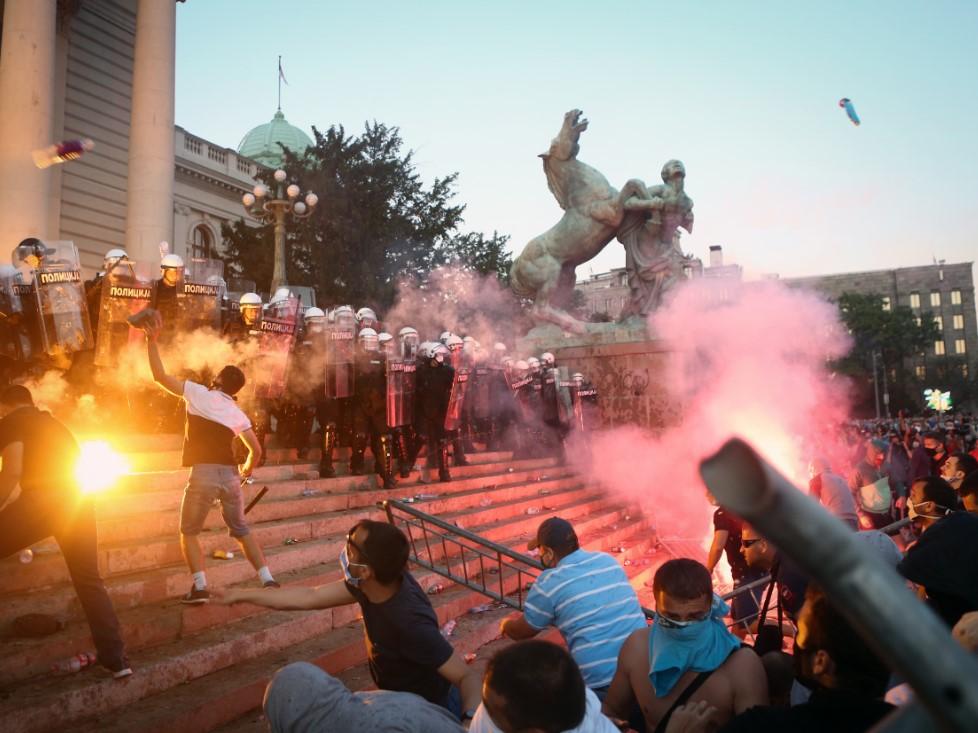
[(206, 441)]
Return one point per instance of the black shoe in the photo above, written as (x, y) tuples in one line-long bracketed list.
[(326, 471), (461, 461), (271, 584), (196, 596), (444, 476)]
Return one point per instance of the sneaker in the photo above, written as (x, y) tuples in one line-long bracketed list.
[(271, 584), (196, 596)]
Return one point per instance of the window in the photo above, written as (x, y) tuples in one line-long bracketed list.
[(939, 323), (886, 303), (959, 346), (958, 322), (914, 300), (916, 319), (955, 297), (939, 348), (201, 245), (935, 299), (921, 372)]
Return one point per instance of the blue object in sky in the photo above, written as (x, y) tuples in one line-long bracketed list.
[(846, 104)]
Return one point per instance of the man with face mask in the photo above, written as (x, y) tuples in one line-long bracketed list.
[(969, 493), (405, 649), (871, 487), (944, 561), (928, 457), (846, 677), (956, 467), (586, 595), (686, 655)]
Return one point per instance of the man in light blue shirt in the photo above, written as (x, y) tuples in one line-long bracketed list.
[(586, 595)]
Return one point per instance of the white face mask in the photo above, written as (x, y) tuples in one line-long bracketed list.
[(345, 566), (913, 511)]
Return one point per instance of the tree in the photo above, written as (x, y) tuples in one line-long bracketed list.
[(376, 223), (896, 338)]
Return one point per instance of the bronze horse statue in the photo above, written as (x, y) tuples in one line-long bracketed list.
[(593, 211)]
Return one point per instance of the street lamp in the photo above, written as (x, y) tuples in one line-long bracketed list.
[(262, 205)]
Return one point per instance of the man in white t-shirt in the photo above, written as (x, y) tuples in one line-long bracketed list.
[(213, 422)]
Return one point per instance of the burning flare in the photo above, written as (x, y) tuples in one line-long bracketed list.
[(99, 467)]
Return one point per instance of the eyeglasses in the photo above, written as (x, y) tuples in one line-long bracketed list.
[(747, 543)]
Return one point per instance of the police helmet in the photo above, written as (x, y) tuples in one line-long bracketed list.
[(548, 359), (249, 299), (172, 261), (533, 363), (368, 339), (407, 331), (454, 343), (314, 313), (112, 257), (440, 353)]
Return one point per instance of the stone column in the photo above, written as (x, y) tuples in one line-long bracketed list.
[(26, 120), (150, 185)]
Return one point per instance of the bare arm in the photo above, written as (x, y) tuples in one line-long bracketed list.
[(467, 679), (634, 203), (290, 599), (251, 442), (749, 681), (171, 384), (620, 698), (517, 628), (716, 549), (13, 466)]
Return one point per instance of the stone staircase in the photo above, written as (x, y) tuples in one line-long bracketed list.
[(204, 668)]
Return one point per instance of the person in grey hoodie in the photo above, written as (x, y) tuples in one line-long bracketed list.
[(302, 698)]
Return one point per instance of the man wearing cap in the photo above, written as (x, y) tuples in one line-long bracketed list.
[(586, 595)]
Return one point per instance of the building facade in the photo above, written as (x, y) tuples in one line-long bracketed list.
[(103, 69), (942, 292)]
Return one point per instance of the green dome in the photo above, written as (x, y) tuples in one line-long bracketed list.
[(262, 143)]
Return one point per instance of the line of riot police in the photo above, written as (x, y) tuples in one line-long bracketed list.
[(363, 386)]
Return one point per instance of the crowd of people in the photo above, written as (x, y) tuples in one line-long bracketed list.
[(785, 657)]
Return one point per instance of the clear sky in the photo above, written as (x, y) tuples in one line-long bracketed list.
[(745, 93)]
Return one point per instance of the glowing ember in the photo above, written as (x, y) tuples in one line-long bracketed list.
[(99, 467)]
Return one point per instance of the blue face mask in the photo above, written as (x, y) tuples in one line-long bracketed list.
[(676, 647), (345, 566)]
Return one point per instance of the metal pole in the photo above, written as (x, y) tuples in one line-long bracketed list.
[(874, 598), (886, 389), (876, 387), (278, 274)]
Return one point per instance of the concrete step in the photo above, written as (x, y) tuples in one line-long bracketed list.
[(151, 539), (167, 620)]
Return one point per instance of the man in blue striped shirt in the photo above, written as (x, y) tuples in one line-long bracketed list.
[(586, 595)]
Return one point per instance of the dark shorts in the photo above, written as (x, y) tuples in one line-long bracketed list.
[(208, 483)]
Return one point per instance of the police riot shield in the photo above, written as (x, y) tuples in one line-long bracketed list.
[(479, 392), (18, 323), (200, 298), (126, 289), (340, 357), (278, 330), (54, 271), (584, 399), (555, 396), (456, 399), (401, 375)]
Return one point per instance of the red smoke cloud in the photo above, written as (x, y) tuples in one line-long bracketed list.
[(746, 359)]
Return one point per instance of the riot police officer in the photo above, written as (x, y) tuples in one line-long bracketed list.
[(167, 289), (370, 410), (434, 386), (401, 386), (247, 320), (455, 416), (336, 411), (306, 391), (366, 318)]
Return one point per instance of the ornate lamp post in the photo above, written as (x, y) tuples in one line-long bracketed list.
[(261, 205)]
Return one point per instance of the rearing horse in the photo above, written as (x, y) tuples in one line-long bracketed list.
[(593, 211)]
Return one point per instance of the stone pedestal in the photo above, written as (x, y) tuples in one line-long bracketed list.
[(625, 363)]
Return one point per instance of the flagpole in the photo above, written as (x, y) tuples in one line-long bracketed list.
[(279, 83)]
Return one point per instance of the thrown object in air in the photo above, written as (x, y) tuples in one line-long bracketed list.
[(62, 152), (147, 319), (846, 104)]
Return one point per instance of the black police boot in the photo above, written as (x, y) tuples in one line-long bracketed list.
[(356, 456), (404, 462), (385, 463), (458, 452), (443, 474), (326, 469)]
